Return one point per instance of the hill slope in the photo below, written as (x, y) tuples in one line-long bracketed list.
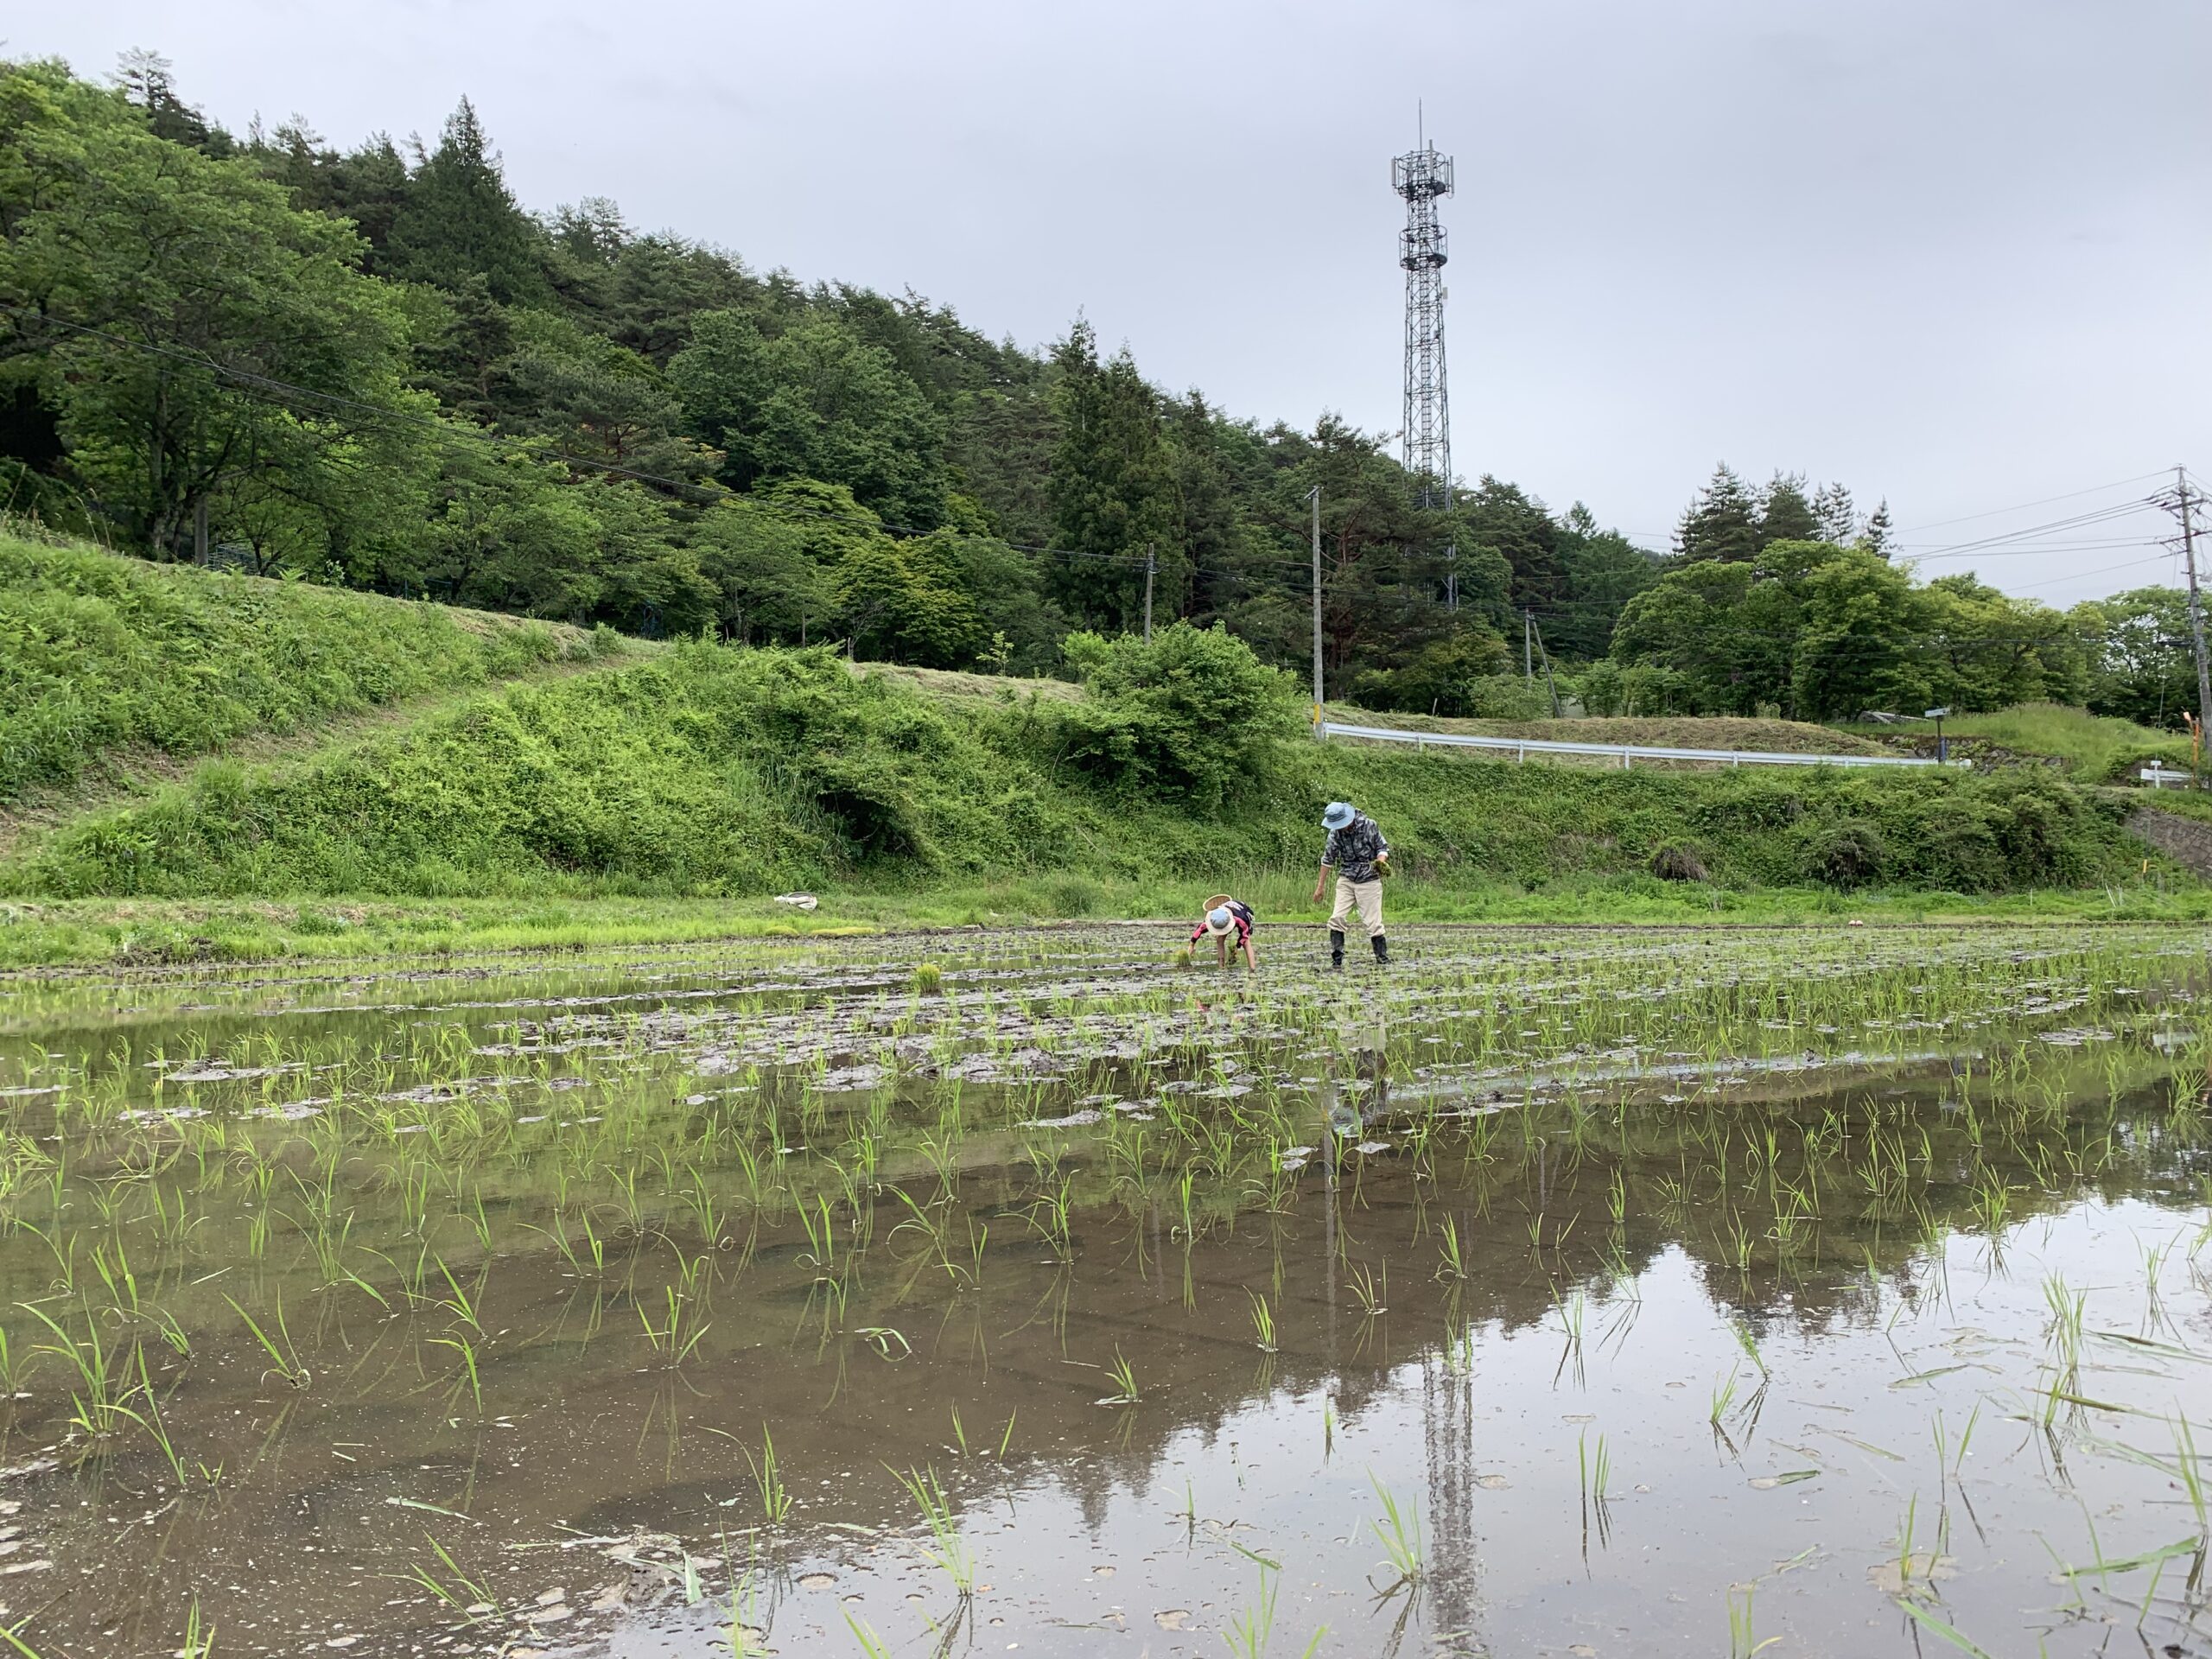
[(102, 656)]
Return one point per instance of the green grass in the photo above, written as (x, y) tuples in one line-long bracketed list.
[(2095, 748), (100, 653)]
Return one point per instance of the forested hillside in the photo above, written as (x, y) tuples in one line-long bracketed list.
[(372, 367)]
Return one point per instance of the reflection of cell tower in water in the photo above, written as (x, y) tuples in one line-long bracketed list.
[(1423, 178), (1448, 1444)]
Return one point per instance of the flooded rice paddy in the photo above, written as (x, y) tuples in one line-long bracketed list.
[(1836, 1293)]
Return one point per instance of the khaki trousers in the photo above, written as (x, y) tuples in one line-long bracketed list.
[(1365, 897)]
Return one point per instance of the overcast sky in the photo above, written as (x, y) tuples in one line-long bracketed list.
[(1952, 252)]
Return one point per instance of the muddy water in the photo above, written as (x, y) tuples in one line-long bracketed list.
[(1678, 1294)]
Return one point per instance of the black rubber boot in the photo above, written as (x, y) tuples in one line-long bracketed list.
[(1381, 949), (1336, 949)]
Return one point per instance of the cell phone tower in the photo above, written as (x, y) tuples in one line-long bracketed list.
[(1424, 178)]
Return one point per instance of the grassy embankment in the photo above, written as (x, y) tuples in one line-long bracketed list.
[(668, 794), (2088, 748), (116, 671)]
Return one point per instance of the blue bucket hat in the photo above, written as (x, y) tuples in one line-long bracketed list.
[(1337, 815)]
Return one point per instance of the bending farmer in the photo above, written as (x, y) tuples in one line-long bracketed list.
[(1224, 916), (1359, 855)]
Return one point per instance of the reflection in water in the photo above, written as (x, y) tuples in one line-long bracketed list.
[(1689, 1290)]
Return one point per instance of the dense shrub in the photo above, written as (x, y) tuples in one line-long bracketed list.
[(1847, 852), (1670, 860), (1193, 714)]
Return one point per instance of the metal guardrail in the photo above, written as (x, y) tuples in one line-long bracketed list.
[(1628, 753)]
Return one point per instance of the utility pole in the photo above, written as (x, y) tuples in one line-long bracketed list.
[(1314, 495), (1151, 564), (2196, 602), (1551, 681), (1528, 646)]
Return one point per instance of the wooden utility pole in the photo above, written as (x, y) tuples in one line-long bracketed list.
[(1528, 646), (2195, 601), (1318, 703), (1551, 681), (1151, 564)]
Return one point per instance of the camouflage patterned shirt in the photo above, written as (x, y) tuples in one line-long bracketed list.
[(1352, 851)]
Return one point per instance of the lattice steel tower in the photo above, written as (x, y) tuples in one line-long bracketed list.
[(1423, 177)]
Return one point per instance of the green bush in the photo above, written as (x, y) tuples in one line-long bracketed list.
[(1845, 853), (1508, 697), (1192, 714)]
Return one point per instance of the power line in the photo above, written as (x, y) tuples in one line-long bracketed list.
[(1994, 512), (2078, 521)]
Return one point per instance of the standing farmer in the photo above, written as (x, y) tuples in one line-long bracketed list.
[(1359, 855)]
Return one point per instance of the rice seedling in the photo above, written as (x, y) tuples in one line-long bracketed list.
[(99, 1385), (1399, 1532), (776, 1499), (464, 1594), (457, 1301), (1263, 1322), (679, 1331), (1452, 1266), (285, 1360), (1939, 1628), (470, 1376), (1596, 1469), (2063, 1334), (1743, 1640), (1251, 1630), (1749, 1345), (872, 1645), (947, 1550), (1125, 1383), (1370, 1287), (199, 1637), (883, 1338)]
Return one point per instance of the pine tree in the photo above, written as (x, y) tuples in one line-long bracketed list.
[(460, 220), (1838, 516), (1721, 523), (147, 81), (1784, 513), (1113, 484), (1875, 539)]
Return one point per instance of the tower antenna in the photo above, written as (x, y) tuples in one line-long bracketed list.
[(1423, 178)]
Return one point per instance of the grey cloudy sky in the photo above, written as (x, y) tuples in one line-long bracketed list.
[(1952, 252)]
